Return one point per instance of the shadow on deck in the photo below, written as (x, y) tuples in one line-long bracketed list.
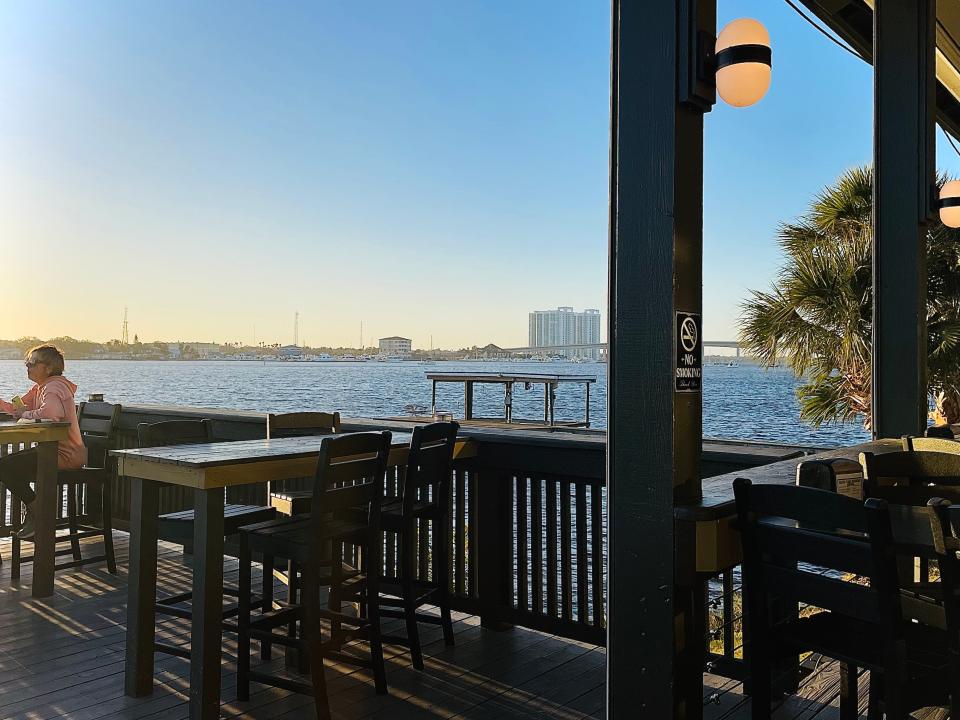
[(64, 658)]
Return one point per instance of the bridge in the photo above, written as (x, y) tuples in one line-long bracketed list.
[(603, 346)]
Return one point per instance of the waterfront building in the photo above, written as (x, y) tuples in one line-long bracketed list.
[(565, 326), (395, 345)]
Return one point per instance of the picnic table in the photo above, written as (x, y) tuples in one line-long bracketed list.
[(46, 434), (208, 469)]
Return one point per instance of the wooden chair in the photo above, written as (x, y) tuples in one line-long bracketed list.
[(911, 477), (425, 501), (797, 542), (945, 523), (292, 497), (89, 510), (177, 527), (931, 443), (347, 497)]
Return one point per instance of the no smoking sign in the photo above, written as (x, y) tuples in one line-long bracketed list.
[(688, 375)]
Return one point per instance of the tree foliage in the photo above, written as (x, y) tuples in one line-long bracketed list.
[(818, 313)]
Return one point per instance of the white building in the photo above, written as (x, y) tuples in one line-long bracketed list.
[(395, 346), (565, 326)]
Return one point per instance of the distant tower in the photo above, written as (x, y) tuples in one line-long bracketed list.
[(361, 336), (126, 328), (296, 329)]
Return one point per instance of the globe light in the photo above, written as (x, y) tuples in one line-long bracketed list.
[(743, 62), (950, 204)]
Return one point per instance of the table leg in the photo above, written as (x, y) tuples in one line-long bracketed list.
[(45, 515), (141, 587), (206, 636)]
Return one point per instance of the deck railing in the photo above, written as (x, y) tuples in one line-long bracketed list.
[(528, 534)]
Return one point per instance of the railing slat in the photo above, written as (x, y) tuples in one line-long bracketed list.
[(471, 533), (461, 531), (522, 545), (582, 568), (566, 575), (596, 550), (552, 568), (536, 538)]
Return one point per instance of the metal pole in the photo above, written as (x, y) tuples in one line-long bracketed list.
[(904, 173)]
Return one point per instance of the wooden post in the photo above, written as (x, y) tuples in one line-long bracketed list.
[(904, 174), (655, 641), (45, 516), (141, 587)]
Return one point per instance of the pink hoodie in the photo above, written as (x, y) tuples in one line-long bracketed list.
[(53, 400)]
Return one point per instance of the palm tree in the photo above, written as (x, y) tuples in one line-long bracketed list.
[(818, 313)]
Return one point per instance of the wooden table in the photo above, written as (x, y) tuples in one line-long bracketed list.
[(46, 435), (718, 544), (208, 469)]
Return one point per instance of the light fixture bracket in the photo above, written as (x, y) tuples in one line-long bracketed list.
[(697, 31)]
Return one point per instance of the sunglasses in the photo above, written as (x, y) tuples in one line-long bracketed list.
[(30, 363)]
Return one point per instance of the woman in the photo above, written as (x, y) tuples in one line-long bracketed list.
[(51, 398)]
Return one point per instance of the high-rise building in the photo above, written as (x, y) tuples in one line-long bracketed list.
[(565, 326)]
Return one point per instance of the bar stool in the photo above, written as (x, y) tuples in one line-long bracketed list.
[(347, 496), (425, 501), (89, 493), (177, 527)]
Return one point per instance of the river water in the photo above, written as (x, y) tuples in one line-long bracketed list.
[(743, 402)]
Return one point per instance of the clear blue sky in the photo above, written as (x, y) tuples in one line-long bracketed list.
[(426, 167)]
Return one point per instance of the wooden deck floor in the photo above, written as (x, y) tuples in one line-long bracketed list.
[(64, 657)]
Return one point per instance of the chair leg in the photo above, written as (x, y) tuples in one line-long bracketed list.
[(290, 654), (408, 563), (106, 505), (312, 635), (376, 644), (874, 703), (849, 700), (73, 524), (266, 647), (16, 515), (441, 551), (243, 621), (760, 684)]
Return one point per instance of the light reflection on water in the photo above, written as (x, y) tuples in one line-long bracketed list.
[(742, 402)]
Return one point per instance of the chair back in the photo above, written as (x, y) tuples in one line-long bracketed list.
[(911, 478), (932, 443), (175, 432), (350, 475), (945, 524), (302, 424), (798, 543), (98, 426), (939, 431), (430, 465)]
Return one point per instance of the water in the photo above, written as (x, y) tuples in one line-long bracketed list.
[(744, 402)]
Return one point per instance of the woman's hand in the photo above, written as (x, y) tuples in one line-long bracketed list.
[(17, 412)]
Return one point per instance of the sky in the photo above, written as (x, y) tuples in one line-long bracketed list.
[(430, 169)]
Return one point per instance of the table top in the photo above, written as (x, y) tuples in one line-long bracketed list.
[(718, 500), (208, 455), (12, 431), (211, 466)]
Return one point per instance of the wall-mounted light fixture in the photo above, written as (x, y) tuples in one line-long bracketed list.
[(736, 64), (743, 62), (949, 204)]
